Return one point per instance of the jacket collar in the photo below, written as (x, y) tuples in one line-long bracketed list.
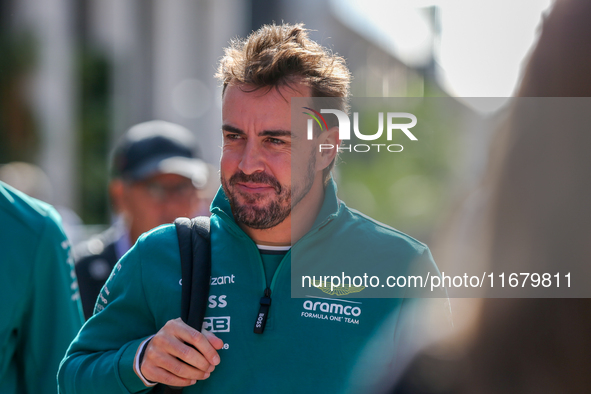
[(330, 205), (221, 205)]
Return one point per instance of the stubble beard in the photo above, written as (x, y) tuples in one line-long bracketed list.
[(245, 205)]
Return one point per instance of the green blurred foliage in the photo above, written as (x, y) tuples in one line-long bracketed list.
[(410, 190), (19, 138), (94, 122), (19, 131)]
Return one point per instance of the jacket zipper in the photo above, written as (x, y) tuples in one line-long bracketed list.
[(265, 301), (259, 325)]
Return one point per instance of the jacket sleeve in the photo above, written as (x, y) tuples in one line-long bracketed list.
[(100, 359), (54, 314)]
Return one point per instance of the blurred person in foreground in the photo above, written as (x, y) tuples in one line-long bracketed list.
[(537, 216), (156, 177), (277, 191), (41, 311)]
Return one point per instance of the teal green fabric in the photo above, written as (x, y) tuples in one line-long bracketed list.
[(270, 263), (40, 307), (301, 350)]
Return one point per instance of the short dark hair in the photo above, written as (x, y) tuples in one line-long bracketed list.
[(275, 56)]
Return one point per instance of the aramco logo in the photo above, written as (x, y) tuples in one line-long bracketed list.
[(344, 125)]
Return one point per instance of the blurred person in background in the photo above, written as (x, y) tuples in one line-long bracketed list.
[(41, 311), (156, 177), (537, 214)]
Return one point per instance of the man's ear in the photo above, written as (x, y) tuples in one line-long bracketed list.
[(326, 151), (117, 194)]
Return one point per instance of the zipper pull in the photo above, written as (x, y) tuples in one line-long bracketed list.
[(259, 325)]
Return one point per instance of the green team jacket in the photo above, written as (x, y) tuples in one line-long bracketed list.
[(309, 344), (40, 308)]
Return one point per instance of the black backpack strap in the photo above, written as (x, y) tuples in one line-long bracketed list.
[(195, 252), (200, 277), (194, 247)]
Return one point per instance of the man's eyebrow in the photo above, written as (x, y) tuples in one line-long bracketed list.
[(232, 129), (275, 133), (264, 133)]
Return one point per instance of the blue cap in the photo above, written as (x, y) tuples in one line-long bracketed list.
[(158, 147)]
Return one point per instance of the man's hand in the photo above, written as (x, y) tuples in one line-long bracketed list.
[(170, 360)]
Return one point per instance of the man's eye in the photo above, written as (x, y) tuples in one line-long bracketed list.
[(232, 136), (276, 141)]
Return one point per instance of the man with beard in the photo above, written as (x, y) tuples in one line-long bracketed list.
[(276, 192)]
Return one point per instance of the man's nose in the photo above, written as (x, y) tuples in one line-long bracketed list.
[(252, 158)]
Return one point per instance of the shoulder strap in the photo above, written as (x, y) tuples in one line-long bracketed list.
[(195, 251), (194, 247), (201, 272)]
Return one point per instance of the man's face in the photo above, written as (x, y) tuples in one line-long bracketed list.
[(157, 200), (256, 164)]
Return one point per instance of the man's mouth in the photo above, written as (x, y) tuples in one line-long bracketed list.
[(256, 183), (250, 187)]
